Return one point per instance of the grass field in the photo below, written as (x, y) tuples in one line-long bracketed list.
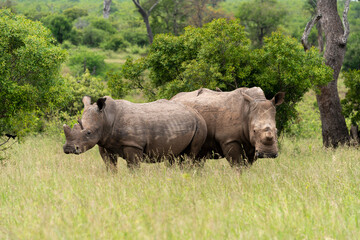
[(306, 193)]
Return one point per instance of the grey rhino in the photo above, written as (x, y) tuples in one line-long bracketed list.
[(135, 130), (241, 123)]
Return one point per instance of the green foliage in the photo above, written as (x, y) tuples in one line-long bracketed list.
[(84, 58), (117, 86), (133, 74), (77, 88), (93, 37), (115, 43), (29, 68), (352, 56), (136, 37), (261, 17), (351, 103), (59, 25), (74, 13), (103, 24), (215, 55)]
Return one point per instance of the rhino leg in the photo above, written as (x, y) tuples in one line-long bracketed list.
[(234, 154), (109, 159), (133, 156), (198, 142)]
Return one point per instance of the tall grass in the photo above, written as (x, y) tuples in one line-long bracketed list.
[(306, 193)]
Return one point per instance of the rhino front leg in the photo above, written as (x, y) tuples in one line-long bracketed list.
[(109, 159), (132, 155), (234, 154)]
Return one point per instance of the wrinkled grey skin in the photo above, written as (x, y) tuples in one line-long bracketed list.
[(241, 123), (136, 130)]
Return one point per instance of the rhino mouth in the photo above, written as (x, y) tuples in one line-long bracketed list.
[(265, 155), (72, 150)]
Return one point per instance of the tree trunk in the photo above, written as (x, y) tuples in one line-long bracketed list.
[(106, 11), (145, 15), (334, 130)]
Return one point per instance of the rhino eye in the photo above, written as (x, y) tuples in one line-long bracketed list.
[(88, 132)]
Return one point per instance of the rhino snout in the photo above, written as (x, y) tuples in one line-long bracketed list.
[(265, 155), (71, 149)]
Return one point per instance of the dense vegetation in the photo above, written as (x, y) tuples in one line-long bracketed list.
[(181, 58)]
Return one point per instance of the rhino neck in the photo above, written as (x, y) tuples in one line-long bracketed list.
[(109, 120)]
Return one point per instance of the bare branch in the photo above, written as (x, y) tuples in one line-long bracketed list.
[(152, 7), (345, 23), (137, 4), (307, 30)]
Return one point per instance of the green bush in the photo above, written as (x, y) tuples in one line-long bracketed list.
[(352, 56), (93, 37), (115, 43), (136, 37), (83, 58), (77, 88), (351, 103), (30, 64), (59, 25), (103, 24), (74, 13)]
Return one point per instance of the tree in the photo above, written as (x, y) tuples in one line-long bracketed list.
[(219, 55), (145, 15), (30, 64), (59, 25), (261, 17), (334, 130), (197, 12), (75, 13), (106, 11), (170, 16)]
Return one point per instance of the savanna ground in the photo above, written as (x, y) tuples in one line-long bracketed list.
[(308, 192)]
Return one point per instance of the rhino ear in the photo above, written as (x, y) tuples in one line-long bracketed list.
[(278, 98), (247, 97), (87, 101), (67, 130), (101, 103)]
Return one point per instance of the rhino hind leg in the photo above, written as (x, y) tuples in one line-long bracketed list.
[(133, 155), (109, 159), (197, 141)]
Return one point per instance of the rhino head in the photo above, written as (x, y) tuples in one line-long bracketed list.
[(262, 125), (88, 131)]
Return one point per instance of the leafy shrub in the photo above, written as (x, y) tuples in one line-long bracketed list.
[(115, 43), (59, 25), (77, 88), (136, 37), (103, 24), (74, 13), (351, 103), (93, 37), (84, 58), (30, 64), (352, 56)]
